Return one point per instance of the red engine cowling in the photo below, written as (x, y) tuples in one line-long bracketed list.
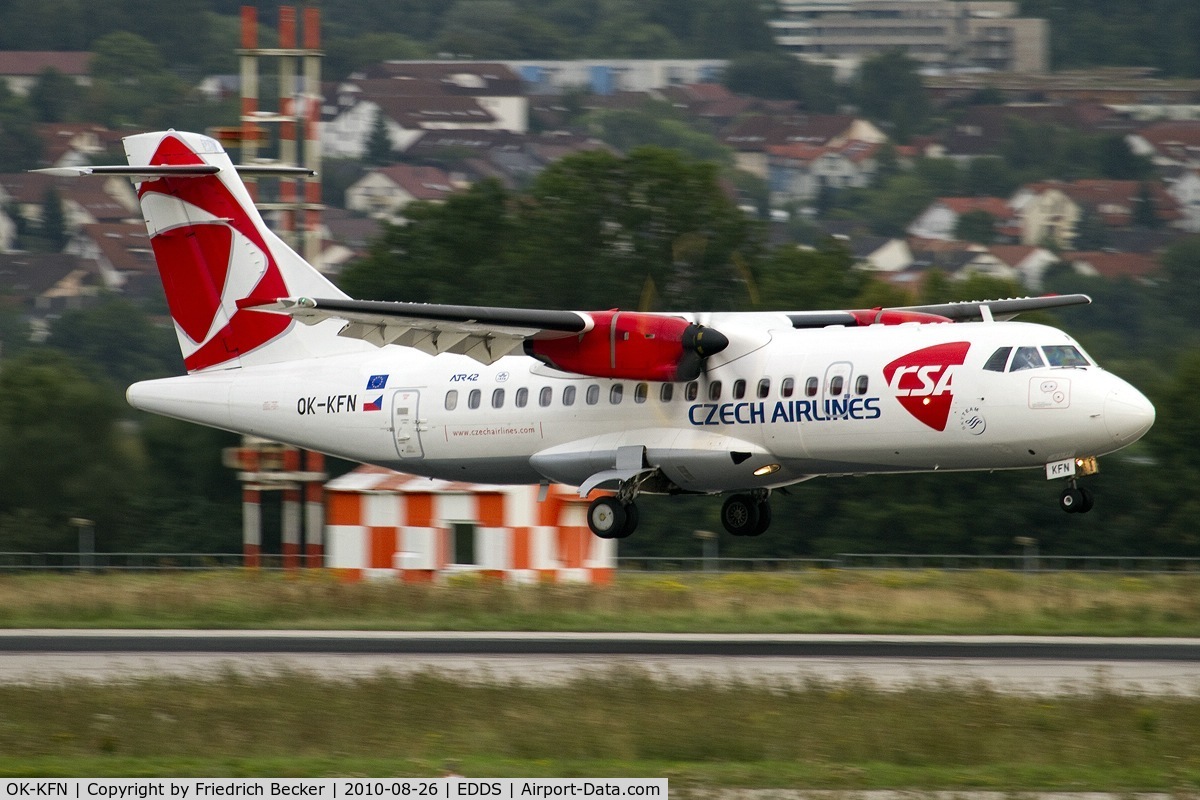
[(626, 344), (880, 316)]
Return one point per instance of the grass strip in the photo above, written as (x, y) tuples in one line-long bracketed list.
[(623, 723), (816, 601)]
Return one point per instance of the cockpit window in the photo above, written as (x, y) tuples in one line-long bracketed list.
[(1064, 355), (998, 359), (1026, 358)]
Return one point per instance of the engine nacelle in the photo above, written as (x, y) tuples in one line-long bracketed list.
[(631, 345)]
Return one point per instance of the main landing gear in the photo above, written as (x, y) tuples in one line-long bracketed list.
[(616, 517), (746, 514), (1075, 499), (612, 517)]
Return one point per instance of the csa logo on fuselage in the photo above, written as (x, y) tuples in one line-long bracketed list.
[(923, 381)]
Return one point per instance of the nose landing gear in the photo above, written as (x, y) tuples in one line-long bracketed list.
[(1075, 499)]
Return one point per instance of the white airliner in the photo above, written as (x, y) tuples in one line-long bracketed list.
[(736, 403)]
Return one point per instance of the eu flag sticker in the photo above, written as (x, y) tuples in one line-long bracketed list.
[(376, 382)]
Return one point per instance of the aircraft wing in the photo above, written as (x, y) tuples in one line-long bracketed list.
[(947, 312), (605, 344), (484, 333)]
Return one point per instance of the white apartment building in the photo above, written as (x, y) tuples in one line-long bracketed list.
[(941, 34)]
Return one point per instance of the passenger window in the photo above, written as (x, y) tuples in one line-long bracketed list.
[(473, 398), (787, 387), (860, 385), (1026, 358), (522, 398), (498, 398), (714, 390), (616, 393), (545, 396), (593, 394), (691, 391), (452, 399), (568, 395), (641, 392), (1064, 355), (764, 388), (810, 387), (739, 389), (667, 392), (997, 360), (835, 385)]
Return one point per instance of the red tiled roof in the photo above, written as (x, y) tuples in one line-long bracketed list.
[(1116, 265), (995, 206), (35, 62)]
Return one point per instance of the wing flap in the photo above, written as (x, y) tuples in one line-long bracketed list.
[(954, 312), (483, 333)]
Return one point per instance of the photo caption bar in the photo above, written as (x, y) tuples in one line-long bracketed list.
[(331, 788)]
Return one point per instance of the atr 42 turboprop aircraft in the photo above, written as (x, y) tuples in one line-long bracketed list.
[(734, 403)]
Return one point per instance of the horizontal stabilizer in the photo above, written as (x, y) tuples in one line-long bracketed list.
[(178, 171)]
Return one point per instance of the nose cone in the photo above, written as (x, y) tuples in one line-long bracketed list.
[(1127, 415)]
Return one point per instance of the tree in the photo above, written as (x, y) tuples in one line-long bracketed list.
[(889, 89), (379, 142), (1145, 211), (62, 452), (54, 221), (776, 75), (55, 97), (976, 226)]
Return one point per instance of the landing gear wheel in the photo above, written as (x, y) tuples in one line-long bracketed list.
[(631, 521), (1088, 501), (608, 518), (764, 518), (1072, 501), (740, 515)]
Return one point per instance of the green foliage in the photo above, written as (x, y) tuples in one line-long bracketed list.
[(20, 147), (56, 97), (54, 223), (130, 84), (976, 226), (379, 143), (776, 75), (118, 342), (62, 453), (593, 225), (889, 90), (656, 124)]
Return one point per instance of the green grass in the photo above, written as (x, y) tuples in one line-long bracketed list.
[(622, 724), (817, 601)]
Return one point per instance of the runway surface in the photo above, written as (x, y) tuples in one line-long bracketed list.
[(1040, 665)]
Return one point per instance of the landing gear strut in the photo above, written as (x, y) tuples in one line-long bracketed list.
[(746, 514), (1075, 499)]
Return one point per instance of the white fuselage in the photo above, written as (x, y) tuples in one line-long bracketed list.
[(791, 404)]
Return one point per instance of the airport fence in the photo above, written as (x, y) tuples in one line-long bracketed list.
[(171, 562)]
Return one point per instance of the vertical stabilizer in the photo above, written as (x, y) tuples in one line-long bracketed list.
[(213, 249)]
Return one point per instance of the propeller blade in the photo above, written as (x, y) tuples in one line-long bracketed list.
[(698, 344)]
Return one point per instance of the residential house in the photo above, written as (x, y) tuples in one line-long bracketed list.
[(1052, 212), (384, 192), (1186, 191), (1168, 144), (121, 252), (880, 254), (940, 220), (84, 202), (1133, 266), (797, 172), (74, 144), (21, 69), (751, 137), (45, 285), (982, 130), (414, 97), (1029, 262)]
